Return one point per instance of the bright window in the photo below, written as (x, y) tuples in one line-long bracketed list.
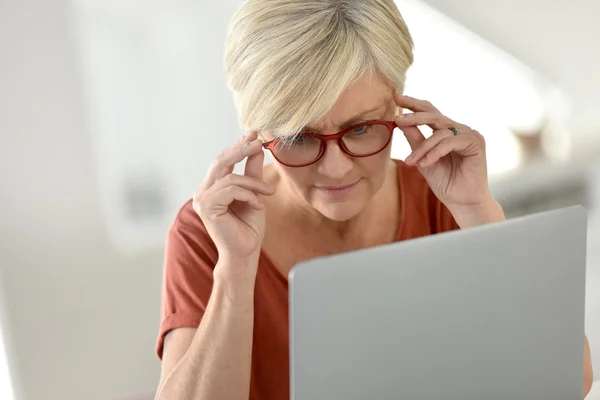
[(477, 84)]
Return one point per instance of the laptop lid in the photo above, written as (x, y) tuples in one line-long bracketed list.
[(492, 312)]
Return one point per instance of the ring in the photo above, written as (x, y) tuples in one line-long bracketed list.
[(454, 130)]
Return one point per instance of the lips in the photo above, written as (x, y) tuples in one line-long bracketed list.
[(336, 187), (337, 190)]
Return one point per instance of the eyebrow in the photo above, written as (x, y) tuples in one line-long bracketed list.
[(355, 120)]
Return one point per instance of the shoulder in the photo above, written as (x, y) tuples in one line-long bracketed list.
[(188, 241), (190, 259), (422, 211)]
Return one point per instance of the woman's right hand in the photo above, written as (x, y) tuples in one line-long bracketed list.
[(231, 205)]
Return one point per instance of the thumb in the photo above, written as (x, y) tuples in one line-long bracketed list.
[(254, 163)]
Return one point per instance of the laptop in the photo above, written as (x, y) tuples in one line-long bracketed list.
[(494, 312)]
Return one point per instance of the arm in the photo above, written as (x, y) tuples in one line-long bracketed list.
[(213, 361), (588, 372), (223, 227)]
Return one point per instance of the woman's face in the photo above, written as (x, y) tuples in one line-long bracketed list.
[(340, 186)]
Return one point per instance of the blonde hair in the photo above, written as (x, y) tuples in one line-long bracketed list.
[(288, 61)]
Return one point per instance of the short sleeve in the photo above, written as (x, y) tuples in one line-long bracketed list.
[(190, 258)]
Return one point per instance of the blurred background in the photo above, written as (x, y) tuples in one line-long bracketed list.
[(111, 112)]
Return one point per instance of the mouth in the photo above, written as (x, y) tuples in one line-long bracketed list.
[(337, 190)]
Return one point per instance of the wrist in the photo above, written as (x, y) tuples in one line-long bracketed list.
[(232, 295), (238, 265), (234, 280), (487, 212)]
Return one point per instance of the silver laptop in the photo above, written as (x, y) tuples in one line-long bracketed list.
[(494, 312)]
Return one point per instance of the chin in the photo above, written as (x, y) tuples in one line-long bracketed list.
[(340, 212)]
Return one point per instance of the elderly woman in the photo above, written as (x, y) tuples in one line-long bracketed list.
[(319, 84)]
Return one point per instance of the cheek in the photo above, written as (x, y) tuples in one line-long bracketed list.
[(376, 166), (375, 169), (296, 178)]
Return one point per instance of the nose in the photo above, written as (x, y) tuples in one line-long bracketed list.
[(335, 164)]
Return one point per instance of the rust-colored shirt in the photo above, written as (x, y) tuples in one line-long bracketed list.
[(191, 257)]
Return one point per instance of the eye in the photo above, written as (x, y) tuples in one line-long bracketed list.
[(360, 130), (300, 139)]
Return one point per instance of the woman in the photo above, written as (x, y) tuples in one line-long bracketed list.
[(318, 84)]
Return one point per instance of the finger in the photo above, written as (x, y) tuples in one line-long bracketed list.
[(413, 135), (434, 120), (226, 161), (443, 148), (446, 146), (254, 165), (247, 182), (426, 146), (413, 104), (218, 202)]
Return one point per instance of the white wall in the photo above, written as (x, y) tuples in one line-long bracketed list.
[(82, 320)]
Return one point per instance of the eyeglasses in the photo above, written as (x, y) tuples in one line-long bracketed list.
[(361, 140)]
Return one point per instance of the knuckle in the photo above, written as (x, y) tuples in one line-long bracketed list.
[(220, 159), (199, 193), (196, 194), (479, 136), (200, 200), (427, 104), (198, 206), (231, 189), (228, 179), (239, 151)]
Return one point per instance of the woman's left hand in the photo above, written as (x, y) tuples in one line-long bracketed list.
[(452, 160)]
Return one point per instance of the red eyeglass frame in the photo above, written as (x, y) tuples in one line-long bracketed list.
[(391, 125)]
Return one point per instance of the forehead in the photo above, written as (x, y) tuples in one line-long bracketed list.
[(368, 94)]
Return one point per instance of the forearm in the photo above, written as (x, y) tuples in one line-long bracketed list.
[(218, 361), (588, 373)]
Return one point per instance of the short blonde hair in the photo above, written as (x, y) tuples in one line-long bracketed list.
[(288, 61)]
